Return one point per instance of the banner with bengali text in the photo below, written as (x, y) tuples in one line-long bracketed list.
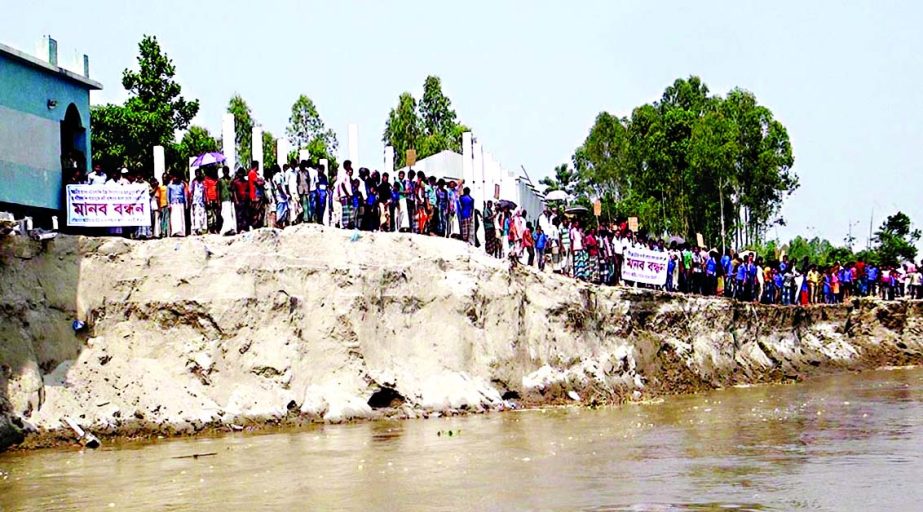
[(645, 266), (108, 205)]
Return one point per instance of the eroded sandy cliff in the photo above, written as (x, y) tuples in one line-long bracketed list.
[(305, 325)]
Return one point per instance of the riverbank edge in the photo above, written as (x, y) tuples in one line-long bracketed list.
[(533, 339), (145, 433)]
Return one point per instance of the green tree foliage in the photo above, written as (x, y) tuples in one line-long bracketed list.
[(269, 150), (402, 128), (896, 240), (155, 110), (428, 126), (195, 141), (681, 162), (306, 130), (243, 128), (564, 178)]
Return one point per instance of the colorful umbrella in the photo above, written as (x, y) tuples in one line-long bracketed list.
[(208, 159)]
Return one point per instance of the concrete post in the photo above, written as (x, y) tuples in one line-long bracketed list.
[(467, 164), (283, 147), (229, 142), (389, 160), (303, 155), (160, 164), (477, 187), (256, 145), (353, 144)]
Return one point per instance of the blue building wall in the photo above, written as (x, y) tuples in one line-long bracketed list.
[(30, 132)]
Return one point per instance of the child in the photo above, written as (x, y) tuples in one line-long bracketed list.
[(541, 241)]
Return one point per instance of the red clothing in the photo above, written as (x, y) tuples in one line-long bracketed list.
[(252, 177), (211, 190), (591, 246), (241, 190), (527, 238)]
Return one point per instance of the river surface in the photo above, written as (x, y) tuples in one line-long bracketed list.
[(849, 442)]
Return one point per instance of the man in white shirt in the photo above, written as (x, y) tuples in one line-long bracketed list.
[(97, 177), (618, 251), (294, 198), (544, 220)]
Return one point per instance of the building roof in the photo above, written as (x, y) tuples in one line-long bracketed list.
[(45, 66), (446, 163)]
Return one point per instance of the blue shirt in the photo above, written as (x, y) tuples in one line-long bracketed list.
[(711, 266), (540, 240), (726, 264), (742, 272), (467, 207)]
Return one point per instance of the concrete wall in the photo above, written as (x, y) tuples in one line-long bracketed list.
[(30, 133)]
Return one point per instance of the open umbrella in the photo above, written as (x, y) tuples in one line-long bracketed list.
[(557, 195), (678, 239), (503, 204), (208, 159), (576, 209)]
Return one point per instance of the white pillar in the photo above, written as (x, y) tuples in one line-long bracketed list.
[(303, 155), (389, 160), (229, 142), (160, 164), (283, 147), (353, 144), (477, 187), (256, 146), (467, 164)]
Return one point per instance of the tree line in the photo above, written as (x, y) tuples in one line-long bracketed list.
[(124, 135), (691, 162)]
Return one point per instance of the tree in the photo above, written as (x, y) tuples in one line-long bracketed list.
[(429, 126), (155, 110), (269, 150), (402, 128), (896, 240), (196, 141), (306, 130), (691, 162), (437, 118), (564, 178), (243, 128)]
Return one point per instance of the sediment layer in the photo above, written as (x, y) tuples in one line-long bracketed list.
[(309, 325)]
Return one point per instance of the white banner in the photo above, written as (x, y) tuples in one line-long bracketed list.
[(645, 266), (108, 205)]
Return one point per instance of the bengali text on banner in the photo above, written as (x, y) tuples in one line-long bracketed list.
[(645, 266), (108, 205)]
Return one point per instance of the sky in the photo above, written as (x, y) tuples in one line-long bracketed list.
[(529, 77)]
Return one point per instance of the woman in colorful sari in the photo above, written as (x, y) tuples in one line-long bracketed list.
[(490, 231)]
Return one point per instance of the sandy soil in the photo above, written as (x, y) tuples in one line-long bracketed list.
[(278, 327)]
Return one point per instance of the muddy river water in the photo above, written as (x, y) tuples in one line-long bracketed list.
[(847, 442)]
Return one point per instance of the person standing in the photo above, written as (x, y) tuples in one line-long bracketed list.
[(228, 212), (212, 202), (528, 244), (256, 197), (306, 174), (291, 190), (240, 194), (279, 186), (197, 214), (97, 177), (344, 194), (159, 206), (541, 242), (177, 195), (466, 217), (321, 195), (581, 260)]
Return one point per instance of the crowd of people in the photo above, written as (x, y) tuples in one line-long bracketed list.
[(216, 202)]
